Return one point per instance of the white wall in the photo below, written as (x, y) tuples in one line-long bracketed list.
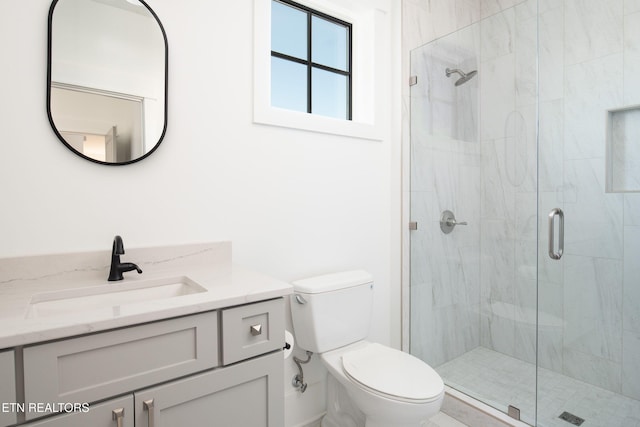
[(294, 203)]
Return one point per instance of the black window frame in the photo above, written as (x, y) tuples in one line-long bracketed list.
[(308, 61)]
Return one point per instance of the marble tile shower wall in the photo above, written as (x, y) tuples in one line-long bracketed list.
[(477, 286)]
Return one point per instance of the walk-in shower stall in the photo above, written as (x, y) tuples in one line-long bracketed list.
[(525, 206)]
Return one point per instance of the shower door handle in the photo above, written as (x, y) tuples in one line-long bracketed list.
[(553, 254)]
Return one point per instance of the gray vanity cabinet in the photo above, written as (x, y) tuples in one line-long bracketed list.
[(104, 414), (218, 368), (7, 387)]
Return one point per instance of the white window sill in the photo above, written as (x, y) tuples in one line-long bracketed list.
[(314, 123)]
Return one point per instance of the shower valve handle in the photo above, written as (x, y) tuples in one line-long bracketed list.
[(448, 222)]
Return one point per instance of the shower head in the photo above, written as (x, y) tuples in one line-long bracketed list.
[(464, 77)]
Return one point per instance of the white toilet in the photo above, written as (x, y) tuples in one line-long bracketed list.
[(369, 384)]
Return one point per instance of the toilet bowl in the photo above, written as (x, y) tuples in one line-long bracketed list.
[(370, 385), (390, 387)]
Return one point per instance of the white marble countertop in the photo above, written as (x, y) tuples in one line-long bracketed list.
[(25, 280)]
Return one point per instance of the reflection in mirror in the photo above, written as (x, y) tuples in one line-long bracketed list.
[(107, 78)]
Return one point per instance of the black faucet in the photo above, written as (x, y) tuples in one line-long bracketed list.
[(117, 267)]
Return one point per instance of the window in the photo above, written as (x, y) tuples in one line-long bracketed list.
[(310, 61), (370, 46)]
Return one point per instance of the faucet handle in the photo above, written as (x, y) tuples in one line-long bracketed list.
[(118, 246)]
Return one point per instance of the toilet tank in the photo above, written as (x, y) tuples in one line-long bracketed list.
[(332, 310)]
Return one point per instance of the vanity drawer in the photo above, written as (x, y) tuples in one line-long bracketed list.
[(94, 367), (7, 388), (251, 330)]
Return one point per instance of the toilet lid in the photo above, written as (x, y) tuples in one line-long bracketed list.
[(392, 372)]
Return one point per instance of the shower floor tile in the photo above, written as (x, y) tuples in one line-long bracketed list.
[(500, 380)]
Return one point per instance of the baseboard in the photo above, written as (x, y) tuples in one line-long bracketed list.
[(314, 422), (475, 413)]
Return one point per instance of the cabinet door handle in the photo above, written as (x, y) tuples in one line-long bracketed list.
[(148, 406), (117, 416)]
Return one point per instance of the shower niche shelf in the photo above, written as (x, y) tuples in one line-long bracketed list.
[(623, 150)]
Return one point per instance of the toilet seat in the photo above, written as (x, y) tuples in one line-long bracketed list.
[(392, 374)]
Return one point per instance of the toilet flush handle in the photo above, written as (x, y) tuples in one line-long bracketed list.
[(300, 300)]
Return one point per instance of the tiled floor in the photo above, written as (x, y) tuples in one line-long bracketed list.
[(443, 420), (438, 420), (500, 380)]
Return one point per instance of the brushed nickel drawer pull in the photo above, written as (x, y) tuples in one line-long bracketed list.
[(256, 329), (117, 416), (148, 406)]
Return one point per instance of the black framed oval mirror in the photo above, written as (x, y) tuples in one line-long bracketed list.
[(107, 85)]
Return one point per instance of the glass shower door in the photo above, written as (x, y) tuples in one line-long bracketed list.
[(534, 305), (473, 154), (589, 167)]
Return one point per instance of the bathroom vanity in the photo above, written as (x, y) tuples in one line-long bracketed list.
[(190, 359)]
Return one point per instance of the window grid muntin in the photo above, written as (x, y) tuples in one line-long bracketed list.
[(310, 64)]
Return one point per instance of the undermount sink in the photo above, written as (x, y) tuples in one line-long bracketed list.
[(69, 301)]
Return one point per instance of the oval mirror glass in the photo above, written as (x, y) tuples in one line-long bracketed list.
[(107, 78)]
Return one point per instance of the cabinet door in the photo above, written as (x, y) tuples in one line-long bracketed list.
[(100, 415), (248, 394), (95, 367), (7, 388)]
